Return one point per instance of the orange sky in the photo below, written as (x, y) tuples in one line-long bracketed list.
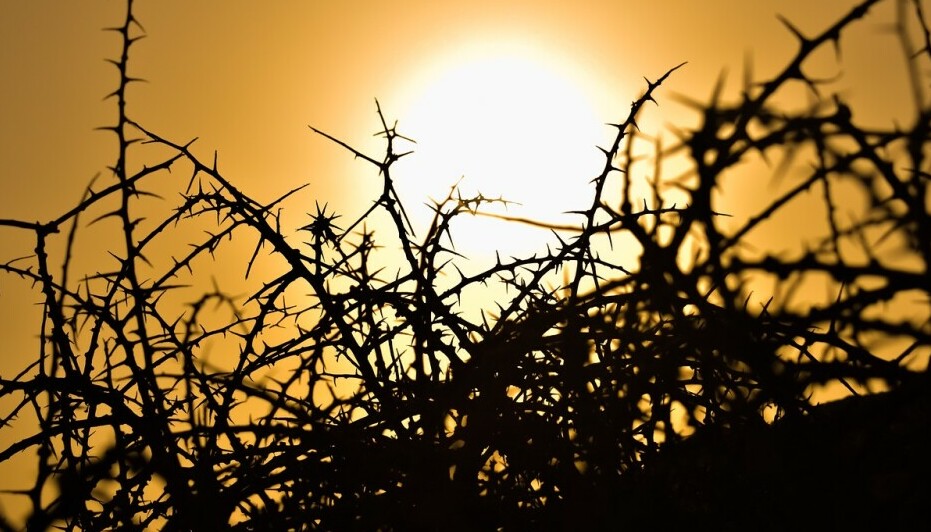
[(248, 82), (490, 89)]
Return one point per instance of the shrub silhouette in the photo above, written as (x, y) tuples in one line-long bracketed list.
[(352, 396)]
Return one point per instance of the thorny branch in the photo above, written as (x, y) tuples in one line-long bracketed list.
[(346, 395)]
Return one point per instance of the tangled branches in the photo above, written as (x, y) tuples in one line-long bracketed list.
[(344, 394)]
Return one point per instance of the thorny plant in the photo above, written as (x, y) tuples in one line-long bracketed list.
[(377, 404)]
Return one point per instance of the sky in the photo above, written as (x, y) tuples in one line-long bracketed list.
[(492, 91), (247, 82)]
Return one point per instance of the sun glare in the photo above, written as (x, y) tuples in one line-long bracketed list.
[(509, 123)]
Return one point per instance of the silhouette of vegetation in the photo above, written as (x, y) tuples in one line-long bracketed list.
[(345, 394)]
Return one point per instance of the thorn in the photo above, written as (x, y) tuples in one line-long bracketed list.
[(835, 38), (803, 40), (688, 101), (718, 88), (748, 72)]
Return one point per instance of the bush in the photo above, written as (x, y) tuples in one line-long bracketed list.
[(349, 396)]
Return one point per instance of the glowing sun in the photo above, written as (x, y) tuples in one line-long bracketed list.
[(510, 122)]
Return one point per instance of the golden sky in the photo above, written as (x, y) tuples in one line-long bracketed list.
[(491, 90), (248, 81), (509, 96)]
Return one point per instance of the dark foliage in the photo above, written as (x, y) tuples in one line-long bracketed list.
[(365, 397)]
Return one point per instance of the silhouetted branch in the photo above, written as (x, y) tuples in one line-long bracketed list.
[(337, 393)]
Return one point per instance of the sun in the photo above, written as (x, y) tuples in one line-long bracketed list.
[(506, 120)]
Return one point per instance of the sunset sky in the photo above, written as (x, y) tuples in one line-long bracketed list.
[(511, 97), (462, 79)]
